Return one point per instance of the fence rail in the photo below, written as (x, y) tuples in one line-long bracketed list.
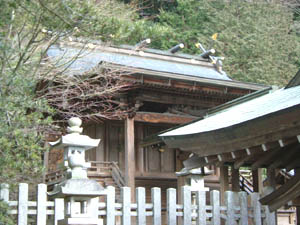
[(192, 210)]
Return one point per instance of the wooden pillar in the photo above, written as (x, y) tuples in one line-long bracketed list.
[(257, 180), (224, 183), (129, 155), (271, 186), (235, 179), (100, 133), (271, 176), (298, 207), (180, 184), (46, 164), (140, 150), (298, 215), (180, 179)]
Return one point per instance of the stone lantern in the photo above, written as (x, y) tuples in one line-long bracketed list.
[(79, 193)]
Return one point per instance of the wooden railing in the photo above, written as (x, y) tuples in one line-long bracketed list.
[(117, 175), (97, 169), (100, 168), (246, 185), (110, 169), (55, 177)]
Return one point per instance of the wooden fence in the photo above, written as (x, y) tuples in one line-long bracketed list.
[(239, 208)]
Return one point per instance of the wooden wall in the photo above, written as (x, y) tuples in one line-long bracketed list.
[(150, 160), (95, 131), (158, 159)]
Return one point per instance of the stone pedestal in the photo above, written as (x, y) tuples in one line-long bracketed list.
[(194, 178)]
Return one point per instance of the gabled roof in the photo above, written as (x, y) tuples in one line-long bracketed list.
[(90, 56), (253, 109), (80, 58)]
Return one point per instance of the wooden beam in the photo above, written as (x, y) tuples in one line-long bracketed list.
[(257, 180), (177, 99), (129, 155), (287, 192), (233, 86), (291, 152), (162, 118), (224, 181), (235, 179), (277, 149), (241, 161), (298, 215), (271, 177), (281, 143), (293, 164), (248, 151), (266, 158)]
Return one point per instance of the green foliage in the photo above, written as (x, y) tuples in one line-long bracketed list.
[(5, 219), (23, 116), (256, 38), (258, 41)]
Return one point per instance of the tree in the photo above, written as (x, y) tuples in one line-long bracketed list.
[(256, 38), (27, 30)]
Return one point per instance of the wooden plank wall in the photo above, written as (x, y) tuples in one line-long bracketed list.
[(112, 147), (96, 131)]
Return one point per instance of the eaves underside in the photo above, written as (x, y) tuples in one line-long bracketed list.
[(189, 86), (140, 74)]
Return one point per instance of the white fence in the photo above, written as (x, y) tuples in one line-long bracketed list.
[(238, 209)]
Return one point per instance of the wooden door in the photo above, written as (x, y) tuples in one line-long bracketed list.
[(158, 159)]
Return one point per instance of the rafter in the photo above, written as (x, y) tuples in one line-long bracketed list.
[(288, 154)]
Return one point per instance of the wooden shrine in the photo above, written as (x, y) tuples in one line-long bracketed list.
[(169, 89)]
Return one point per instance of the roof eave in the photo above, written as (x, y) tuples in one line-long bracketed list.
[(241, 136)]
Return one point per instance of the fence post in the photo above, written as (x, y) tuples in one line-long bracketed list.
[(171, 206), (156, 201), (256, 208), (215, 202), (41, 215), (110, 206), (141, 206), (230, 204), (187, 203), (23, 204), (4, 192), (270, 216), (59, 210), (201, 207), (126, 205), (243, 208)]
